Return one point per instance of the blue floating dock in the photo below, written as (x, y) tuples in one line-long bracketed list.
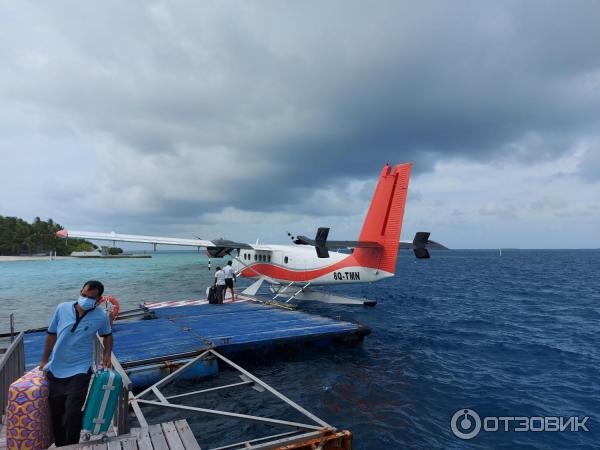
[(182, 332)]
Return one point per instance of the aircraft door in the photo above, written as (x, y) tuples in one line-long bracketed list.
[(242, 260)]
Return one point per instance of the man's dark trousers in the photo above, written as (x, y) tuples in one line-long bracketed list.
[(67, 396), (220, 293)]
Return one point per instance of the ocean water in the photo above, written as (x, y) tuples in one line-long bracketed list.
[(516, 335)]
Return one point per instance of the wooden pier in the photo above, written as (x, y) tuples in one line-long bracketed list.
[(178, 436), (175, 435), (164, 436)]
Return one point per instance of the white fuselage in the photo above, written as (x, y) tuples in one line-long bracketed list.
[(287, 263)]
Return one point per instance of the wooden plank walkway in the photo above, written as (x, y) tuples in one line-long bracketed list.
[(175, 435)]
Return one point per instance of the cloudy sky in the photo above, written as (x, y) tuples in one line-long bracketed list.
[(248, 119)]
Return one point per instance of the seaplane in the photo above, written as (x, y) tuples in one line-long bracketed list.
[(291, 271)]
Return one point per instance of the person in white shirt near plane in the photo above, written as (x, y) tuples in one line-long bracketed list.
[(229, 279), (220, 284)]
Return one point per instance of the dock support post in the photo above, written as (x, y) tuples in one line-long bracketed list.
[(12, 327)]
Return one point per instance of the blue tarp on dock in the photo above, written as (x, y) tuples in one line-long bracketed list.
[(187, 330)]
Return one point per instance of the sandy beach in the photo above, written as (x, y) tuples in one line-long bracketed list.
[(31, 258)]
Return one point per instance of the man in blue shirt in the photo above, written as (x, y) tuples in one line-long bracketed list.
[(68, 357)]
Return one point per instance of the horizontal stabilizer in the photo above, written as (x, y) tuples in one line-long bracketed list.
[(421, 244), (433, 245), (322, 245)]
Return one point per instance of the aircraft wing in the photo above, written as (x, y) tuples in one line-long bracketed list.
[(93, 235), (217, 247)]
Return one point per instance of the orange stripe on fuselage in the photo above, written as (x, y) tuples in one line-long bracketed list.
[(281, 273)]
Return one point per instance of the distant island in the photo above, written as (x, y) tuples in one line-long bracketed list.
[(20, 238)]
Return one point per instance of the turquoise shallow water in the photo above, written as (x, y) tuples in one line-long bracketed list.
[(31, 289), (515, 335)]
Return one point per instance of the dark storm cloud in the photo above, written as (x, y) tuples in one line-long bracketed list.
[(301, 96)]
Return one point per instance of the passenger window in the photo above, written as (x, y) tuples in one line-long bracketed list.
[(255, 258), (269, 258), (285, 260)]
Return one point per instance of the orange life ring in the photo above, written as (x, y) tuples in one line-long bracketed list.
[(111, 306)]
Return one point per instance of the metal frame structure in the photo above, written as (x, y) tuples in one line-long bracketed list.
[(317, 428), (12, 367)]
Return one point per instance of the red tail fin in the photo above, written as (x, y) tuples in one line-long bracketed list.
[(383, 223)]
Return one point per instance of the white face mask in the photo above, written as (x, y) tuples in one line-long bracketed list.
[(86, 303)]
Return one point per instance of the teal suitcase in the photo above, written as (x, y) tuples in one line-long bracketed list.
[(101, 401)]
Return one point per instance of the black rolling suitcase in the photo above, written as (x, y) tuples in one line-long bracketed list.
[(212, 295)]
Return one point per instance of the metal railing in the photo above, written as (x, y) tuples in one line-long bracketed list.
[(120, 419), (11, 324), (12, 366)]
